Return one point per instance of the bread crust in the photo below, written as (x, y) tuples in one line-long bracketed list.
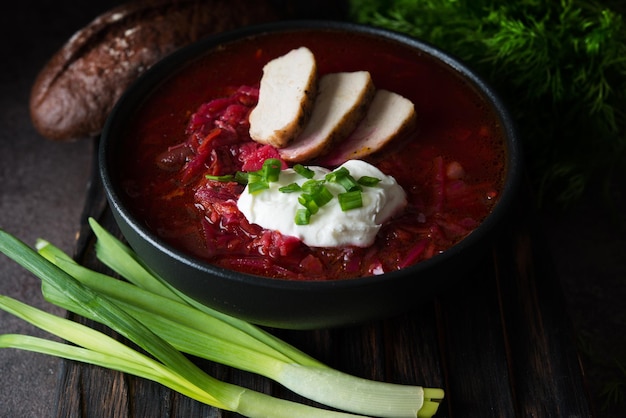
[(75, 91)]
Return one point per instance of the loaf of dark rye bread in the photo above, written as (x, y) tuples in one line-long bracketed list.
[(75, 91)]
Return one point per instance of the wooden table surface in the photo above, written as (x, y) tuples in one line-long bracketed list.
[(500, 344)]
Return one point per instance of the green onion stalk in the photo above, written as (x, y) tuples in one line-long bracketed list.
[(168, 325)]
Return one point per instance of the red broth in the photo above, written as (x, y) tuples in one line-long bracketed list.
[(451, 166)]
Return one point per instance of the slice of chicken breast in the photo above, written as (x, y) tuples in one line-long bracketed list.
[(388, 116), (342, 101), (287, 92)]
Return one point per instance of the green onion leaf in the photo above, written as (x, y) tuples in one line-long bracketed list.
[(368, 181), (120, 258), (256, 182), (304, 171), (241, 177), (340, 172), (95, 348), (342, 177), (271, 169), (311, 186), (223, 178), (308, 202), (317, 191), (260, 180), (166, 324), (290, 188), (257, 186), (254, 176), (303, 217), (99, 349), (322, 195), (350, 200), (111, 314)]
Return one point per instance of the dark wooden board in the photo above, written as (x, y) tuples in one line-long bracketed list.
[(500, 343)]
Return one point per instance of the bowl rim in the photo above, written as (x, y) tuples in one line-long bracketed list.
[(163, 69)]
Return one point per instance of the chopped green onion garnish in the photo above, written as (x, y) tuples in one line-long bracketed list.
[(349, 183), (309, 203), (304, 171), (342, 177), (312, 186), (224, 178), (254, 176), (322, 195), (340, 172), (290, 188), (368, 181), (241, 177), (268, 173), (318, 191), (256, 182), (350, 200), (257, 186), (271, 169), (261, 179), (303, 217)]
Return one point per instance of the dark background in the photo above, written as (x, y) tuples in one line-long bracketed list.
[(43, 185)]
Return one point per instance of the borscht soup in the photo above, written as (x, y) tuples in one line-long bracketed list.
[(188, 146)]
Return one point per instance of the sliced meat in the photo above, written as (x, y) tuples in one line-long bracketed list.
[(341, 103), (286, 96), (388, 116)]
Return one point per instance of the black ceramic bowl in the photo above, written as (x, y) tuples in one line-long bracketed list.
[(300, 304)]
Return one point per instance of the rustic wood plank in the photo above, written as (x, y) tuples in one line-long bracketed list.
[(544, 362), (474, 350)]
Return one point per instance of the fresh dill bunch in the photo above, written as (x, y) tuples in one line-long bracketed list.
[(559, 65)]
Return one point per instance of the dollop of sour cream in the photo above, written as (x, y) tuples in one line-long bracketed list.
[(330, 226)]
